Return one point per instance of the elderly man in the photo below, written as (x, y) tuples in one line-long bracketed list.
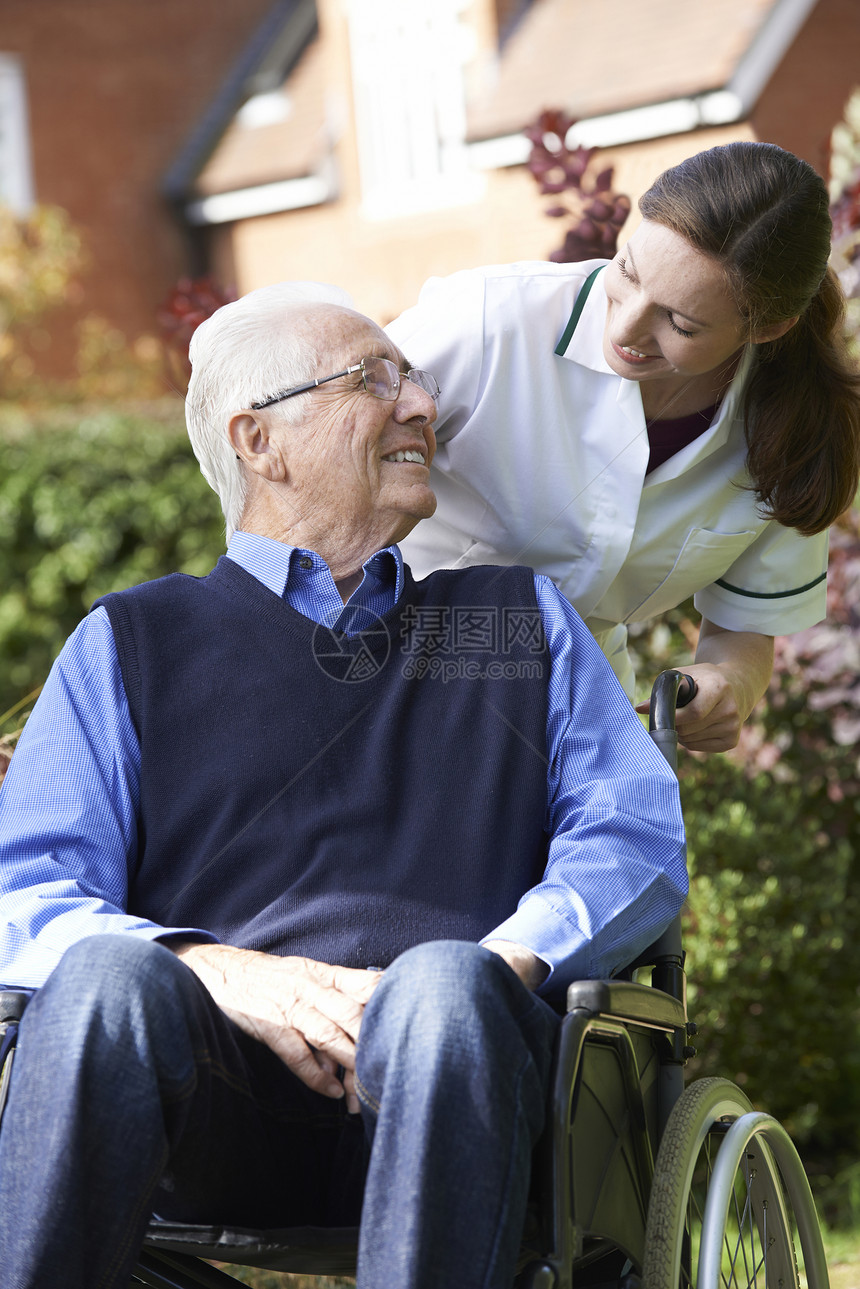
[(347, 832)]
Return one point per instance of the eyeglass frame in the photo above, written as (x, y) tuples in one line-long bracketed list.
[(359, 366)]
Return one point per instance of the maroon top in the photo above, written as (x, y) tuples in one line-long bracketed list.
[(668, 437)]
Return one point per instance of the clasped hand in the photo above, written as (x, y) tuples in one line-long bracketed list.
[(712, 722), (307, 1012)]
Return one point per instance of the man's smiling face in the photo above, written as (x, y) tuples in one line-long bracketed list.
[(357, 463)]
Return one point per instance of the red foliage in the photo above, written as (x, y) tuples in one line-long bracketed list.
[(809, 730), (597, 212), (845, 211), (191, 302)]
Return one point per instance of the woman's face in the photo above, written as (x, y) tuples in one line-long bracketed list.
[(670, 312)]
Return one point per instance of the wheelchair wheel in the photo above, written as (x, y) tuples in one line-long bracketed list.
[(730, 1204)]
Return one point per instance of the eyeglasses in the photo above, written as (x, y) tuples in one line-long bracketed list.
[(381, 378)]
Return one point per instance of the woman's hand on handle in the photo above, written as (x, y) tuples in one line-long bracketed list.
[(731, 671), (712, 721)]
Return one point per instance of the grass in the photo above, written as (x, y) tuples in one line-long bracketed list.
[(843, 1258), (280, 1280)]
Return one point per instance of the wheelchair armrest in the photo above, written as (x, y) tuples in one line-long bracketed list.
[(625, 1000), (12, 1004)]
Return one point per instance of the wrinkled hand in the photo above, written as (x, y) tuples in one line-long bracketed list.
[(308, 1013), (531, 969)]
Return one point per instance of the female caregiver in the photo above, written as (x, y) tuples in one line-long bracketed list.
[(681, 420)]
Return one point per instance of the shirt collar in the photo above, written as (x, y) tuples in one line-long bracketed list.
[(272, 562), (586, 344)]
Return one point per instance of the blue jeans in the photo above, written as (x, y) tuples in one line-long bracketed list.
[(133, 1093)]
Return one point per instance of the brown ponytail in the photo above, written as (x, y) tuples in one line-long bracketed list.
[(763, 214), (803, 419)]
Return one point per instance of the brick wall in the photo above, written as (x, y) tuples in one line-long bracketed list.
[(114, 87), (807, 93)]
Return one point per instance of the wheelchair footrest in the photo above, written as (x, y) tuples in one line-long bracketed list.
[(311, 1250)]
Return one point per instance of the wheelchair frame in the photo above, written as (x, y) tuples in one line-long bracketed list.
[(637, 1180)]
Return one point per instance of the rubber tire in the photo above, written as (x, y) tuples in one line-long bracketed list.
[(703, 1106)]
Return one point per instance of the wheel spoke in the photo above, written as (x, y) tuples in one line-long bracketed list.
[(744, 1220), (737, 1196)]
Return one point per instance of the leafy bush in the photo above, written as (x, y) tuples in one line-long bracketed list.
[(596, 213), (87, 507), (845, 210), (774, 844), (110, 370), (774, 960), (40, 254), (191, 302), (282, 1279)]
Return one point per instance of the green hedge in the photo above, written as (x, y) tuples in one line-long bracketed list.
[(774, 959), (90, 504), (774, 910)]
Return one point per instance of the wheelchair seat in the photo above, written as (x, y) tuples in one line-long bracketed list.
[(603, 1018)]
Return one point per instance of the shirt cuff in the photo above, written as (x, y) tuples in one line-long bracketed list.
[(538, 927), (769, 614), (29, 963)]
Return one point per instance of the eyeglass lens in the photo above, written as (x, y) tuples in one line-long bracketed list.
[(382, 379)]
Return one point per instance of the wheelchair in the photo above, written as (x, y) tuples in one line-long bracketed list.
[(638, 1181)]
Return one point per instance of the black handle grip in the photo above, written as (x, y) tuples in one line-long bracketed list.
[(672, 689), (687, 690)]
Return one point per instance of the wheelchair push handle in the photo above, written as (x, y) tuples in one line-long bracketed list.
[(671, 690)]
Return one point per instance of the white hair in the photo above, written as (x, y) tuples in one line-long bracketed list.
[(246, 352)]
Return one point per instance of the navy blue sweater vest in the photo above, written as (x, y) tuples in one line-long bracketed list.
[(344, 798)]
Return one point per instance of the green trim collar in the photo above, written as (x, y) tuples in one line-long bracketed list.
[(577, 311)]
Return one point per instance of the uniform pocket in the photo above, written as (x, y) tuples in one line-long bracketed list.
[(705, 556)]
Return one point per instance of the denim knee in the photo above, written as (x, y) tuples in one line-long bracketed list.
[(451, 996), (119, 988), (452, 1024), (101, 965), (451, 975)]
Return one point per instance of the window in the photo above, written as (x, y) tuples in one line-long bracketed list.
[(16, 179), (410, 116)]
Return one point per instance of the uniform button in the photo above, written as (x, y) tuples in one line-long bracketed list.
[(306, 562)]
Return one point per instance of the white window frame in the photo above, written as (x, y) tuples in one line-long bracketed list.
[(410, 110), (16, 170)]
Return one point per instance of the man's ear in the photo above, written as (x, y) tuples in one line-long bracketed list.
[(773, 332), (253, 443)]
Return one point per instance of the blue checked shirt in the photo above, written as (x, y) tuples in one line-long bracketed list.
[(616, 871)]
